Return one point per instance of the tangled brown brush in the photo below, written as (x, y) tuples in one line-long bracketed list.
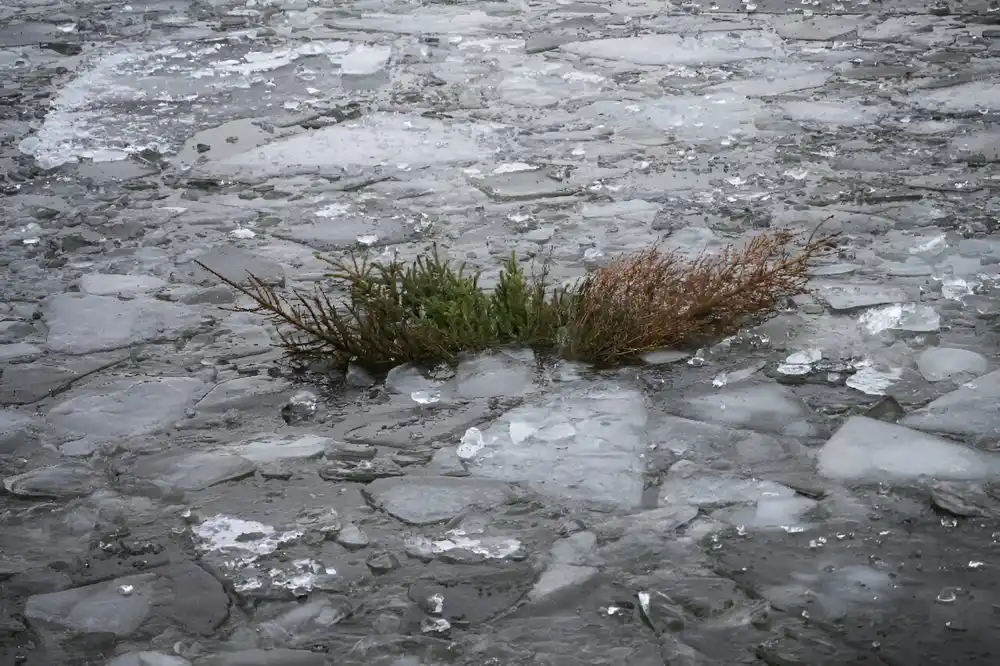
[(430, 310), (653, 299)]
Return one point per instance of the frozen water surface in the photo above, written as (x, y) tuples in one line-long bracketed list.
[(819, 488)]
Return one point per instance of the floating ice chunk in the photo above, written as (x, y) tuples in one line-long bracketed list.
[(664, 356), (495, 374), (872, 381), (365, 60), (514, 167), (725, 378), (430, 625), (302, 576), (801, 362), (760, 407), (368, 240), (573, 442), (939, 363), (772, 510), (376, 139), (852, 296), (491, 547), (932, 244), (331, 211), (472, 443), (672, 49), (407, 379), (29, 145), (425, 397), (265, 61), (242, 233), (954, 288), (865, 449), (968, 412), (846, 114), (245, 540), (913, 317), (521, 430)]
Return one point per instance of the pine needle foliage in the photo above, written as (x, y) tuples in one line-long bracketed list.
[(432, 310)]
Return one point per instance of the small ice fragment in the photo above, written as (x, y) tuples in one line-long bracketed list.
[(871, 381), (368, 239), (242, 233), (435, 604), (801, 362), (519, 431), (933, 243), (954, 288), (29, 145), (472, 443), (126, 590), (913, 317), (425, 397), (644, 602), (331, 211), (724, 378), (513, 167), (434, 625)]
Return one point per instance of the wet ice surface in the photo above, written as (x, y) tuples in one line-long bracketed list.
[(821, 489)]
